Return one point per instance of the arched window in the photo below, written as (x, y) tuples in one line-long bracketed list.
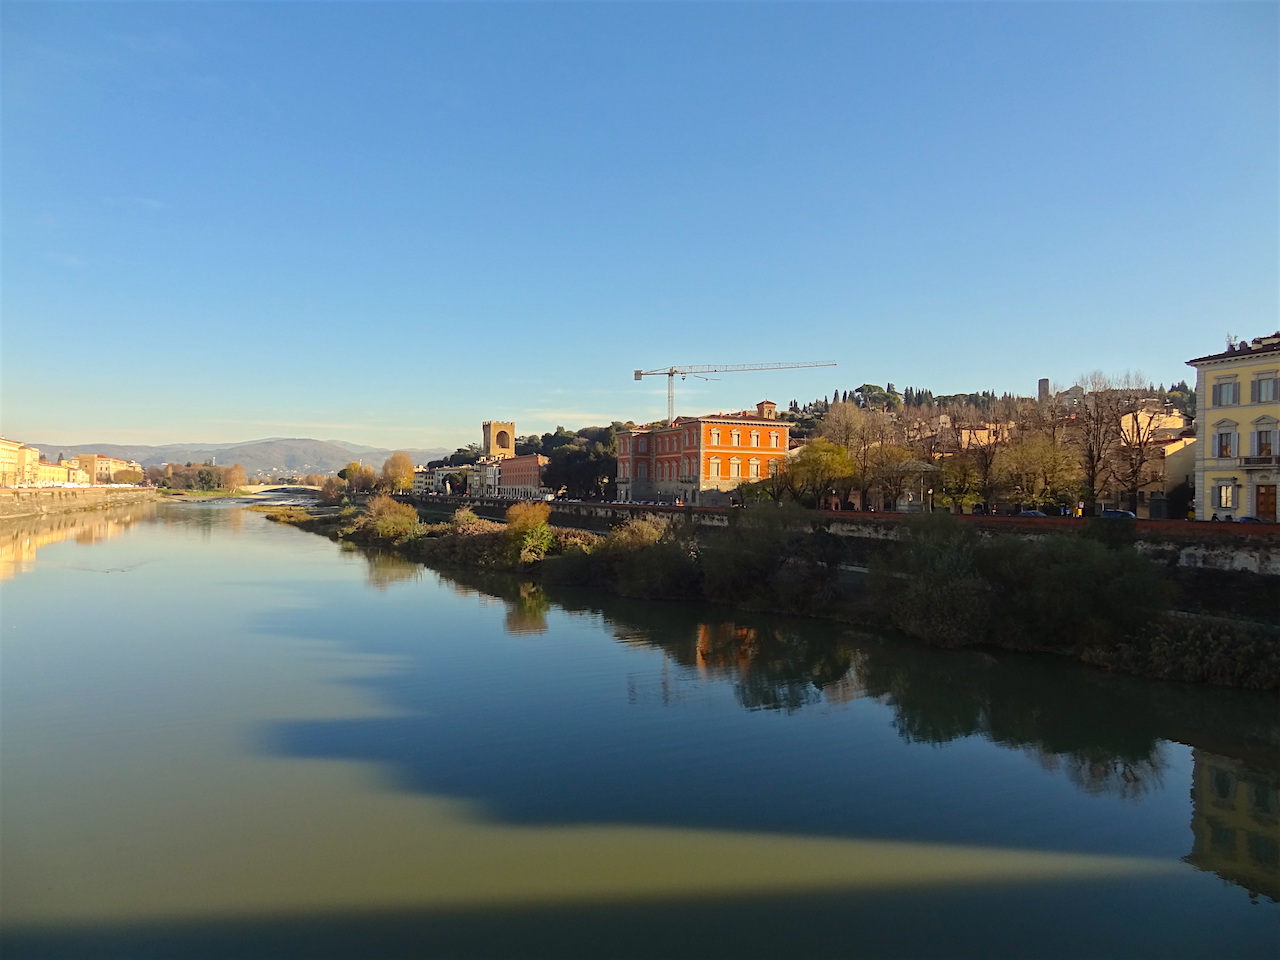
[(713, 468), (735, 467), (642, 470)]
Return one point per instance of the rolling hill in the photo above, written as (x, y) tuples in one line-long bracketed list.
[(275, 456)]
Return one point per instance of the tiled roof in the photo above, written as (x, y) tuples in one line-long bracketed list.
[(1246, 348)]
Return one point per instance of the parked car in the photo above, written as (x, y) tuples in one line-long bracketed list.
[(1032, 513), (1252, 520), (1122, 514)]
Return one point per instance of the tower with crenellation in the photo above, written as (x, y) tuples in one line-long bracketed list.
[(499, 439)]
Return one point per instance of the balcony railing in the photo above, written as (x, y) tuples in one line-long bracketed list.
[(1267, 461)]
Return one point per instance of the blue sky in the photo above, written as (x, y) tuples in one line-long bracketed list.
[(386, 222)]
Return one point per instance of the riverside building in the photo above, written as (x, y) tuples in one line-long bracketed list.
[(1238, 412), (697, 460)]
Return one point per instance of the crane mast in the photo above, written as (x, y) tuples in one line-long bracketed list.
[(672, 372)]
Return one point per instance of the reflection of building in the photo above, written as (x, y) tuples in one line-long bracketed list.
[(1235, 820), (20, 540), (698, 459), (1238, 404)]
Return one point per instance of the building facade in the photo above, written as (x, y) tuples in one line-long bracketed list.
[(19, 464), (697, 460), (1238, 415), (520, 478), (101, 468)]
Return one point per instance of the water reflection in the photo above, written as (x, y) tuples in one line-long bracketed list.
[(553, 737), (385, 568), (1236, 822), (22, 539)]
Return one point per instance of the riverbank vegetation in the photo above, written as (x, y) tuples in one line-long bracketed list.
[(1089, 596)]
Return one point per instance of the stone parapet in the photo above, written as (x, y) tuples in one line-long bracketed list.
[(36, 502)]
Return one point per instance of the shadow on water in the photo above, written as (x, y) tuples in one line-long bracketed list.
[(1030, 921), (531, 744)]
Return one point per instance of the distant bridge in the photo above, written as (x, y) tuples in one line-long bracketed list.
[(274, 487)]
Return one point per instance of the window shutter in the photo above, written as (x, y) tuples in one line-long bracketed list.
[(1253, 391), (1235, 444), (1253, 443), (1217, 395)]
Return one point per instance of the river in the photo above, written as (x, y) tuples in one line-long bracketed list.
[(224, 737)]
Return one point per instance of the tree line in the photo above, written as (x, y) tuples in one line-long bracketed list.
[(1101, 442)]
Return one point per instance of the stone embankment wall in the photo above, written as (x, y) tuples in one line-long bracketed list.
[(1228, 547), (40, 501)]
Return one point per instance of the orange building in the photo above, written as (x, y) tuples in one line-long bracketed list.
[(521, 477), (698, 459)]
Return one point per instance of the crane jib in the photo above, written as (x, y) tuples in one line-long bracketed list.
[(671, 372)]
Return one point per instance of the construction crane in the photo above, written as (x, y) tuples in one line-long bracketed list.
[(672, 372)]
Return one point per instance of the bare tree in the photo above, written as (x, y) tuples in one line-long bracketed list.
[(1096, 433)]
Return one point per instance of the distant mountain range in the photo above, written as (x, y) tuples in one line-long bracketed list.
[(275, 456)]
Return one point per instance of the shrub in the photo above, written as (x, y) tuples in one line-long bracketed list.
[(741, 563), (1069, 593), (528, 532), (1198, 650), (387, 519), (928, 585)]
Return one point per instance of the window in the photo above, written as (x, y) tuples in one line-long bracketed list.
[(1263, 390), (775, 467), (714, 468), (735, 467), (1226, 394), (773, 439), (735, 437), (754, 467), (755, 438), (1223, 443), (643, 445), (715, 438), (1264, 443), (642, 470), (1225, 497)]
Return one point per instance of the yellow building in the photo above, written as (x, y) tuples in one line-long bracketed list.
[(19, 464), (1238, 416), (103, 469), (1235, 821)]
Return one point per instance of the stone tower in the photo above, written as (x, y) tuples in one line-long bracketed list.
[(499, 439)]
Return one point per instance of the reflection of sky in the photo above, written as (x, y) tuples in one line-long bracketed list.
[(193, 757)]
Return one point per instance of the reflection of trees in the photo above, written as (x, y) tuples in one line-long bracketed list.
[(527, 604), (527, 611), (386, 568), (1102, 743), (1103, 733)]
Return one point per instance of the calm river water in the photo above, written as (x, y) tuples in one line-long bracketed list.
[(227, 738)]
